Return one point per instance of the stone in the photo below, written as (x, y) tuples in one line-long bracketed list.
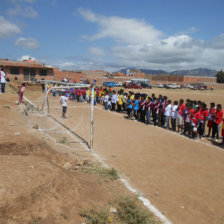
[(113, 210), (68, 166), (35, 126), (157, 194)]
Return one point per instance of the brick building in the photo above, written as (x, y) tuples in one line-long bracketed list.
[(26, 70), (166, 78)]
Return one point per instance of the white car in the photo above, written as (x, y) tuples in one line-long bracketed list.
[(119, 84), (159, 85), (190, 86)]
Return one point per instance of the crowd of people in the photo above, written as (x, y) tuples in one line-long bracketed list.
[(190, 117)]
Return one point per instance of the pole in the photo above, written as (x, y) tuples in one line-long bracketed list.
[(92, 118)]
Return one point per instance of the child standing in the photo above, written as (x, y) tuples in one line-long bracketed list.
[(211, 118), (22, 88)]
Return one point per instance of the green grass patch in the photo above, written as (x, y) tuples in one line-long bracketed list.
[(63, 141), (129, 211), (104, 172)]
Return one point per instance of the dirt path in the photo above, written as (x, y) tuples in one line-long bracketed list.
[(181, 177)]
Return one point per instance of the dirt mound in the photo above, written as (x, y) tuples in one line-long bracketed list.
[(36, 186)]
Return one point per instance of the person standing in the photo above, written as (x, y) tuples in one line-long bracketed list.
[(181, 110), (3, 80), (167, 113), (148, 108), (211, 118), (63, 102), (21, 91), (218, 116), (174, 114)]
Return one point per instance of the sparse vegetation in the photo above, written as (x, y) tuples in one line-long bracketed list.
[(37, 220), (110, 173), (63, 141), (64, 216), (96, 216), (129, 210), (6, 106)]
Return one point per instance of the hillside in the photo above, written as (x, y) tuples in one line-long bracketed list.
[(193, 72)]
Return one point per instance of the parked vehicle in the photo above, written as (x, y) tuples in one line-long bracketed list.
[(109, 84), (173, 86), (133, 86), (159, 85), (144, 83), (190, 86), (119, 84)]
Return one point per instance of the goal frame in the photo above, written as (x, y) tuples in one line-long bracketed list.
[(77, 86)]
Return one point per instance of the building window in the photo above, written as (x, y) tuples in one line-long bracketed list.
[(14, 71), (43, 72)]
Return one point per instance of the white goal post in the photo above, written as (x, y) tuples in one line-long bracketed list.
[(92, 104)]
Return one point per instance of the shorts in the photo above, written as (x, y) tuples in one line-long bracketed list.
[(64, 109), (179, 120)]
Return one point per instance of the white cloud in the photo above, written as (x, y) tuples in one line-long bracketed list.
[(27, 57), (218, 42), (139, 44), (28, 43), (96, 51), (7, 28), (172, 53), (121, 29), (27, 12)]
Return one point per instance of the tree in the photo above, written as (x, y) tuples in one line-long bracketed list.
[(220, 77)]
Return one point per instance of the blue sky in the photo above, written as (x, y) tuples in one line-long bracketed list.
[(103, 34)]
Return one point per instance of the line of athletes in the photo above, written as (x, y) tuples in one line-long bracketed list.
[(190, 117)]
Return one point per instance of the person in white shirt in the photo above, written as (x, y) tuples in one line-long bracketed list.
[(167, 113), (63, 102), (174, 113), (106, 99), (114, 100), (3, 80)]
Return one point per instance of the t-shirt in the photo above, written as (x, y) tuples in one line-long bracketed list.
[(181, 109), (114, 98), (168, 110), (63, 100), (129, 104), (106, 98), (174, 111), (136, 106), (218, 117), (3, 77), (120, 99)]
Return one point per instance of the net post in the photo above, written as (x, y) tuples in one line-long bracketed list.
[(92, 118)]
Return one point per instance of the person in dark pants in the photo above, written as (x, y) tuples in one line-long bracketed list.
[(174, 112), (3, 80)]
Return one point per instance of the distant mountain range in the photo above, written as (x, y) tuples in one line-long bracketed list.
[(193, 72)]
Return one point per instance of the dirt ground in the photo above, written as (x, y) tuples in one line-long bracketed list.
[(34, 185), (181, 177)]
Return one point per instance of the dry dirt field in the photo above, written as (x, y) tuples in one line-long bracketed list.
[(181, 177), (35, 185)]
